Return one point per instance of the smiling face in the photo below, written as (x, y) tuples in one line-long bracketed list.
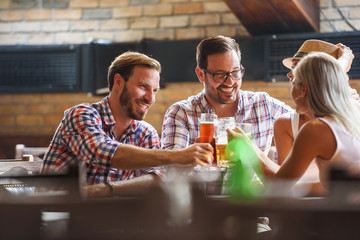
[(227, 91), (138, 93)]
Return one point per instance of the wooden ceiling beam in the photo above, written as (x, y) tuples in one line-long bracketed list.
[(261, 17)]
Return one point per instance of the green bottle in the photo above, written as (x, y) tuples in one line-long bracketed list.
[(244, 180)]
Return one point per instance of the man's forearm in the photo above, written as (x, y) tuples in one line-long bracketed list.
[(131, 157)]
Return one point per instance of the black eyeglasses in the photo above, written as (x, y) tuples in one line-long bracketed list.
[(220, 77)]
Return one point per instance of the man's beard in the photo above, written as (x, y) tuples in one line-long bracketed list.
[(125, 102), (216, 96)]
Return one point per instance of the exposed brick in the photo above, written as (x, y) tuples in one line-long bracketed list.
[(145, 23), (150, 117), (42, 108), (205, 20), (68, 14), (143, 2), (113, 3), (356, 23), (176, 94), (221, 30), (157, 127), (55, 4), (241, 31), (55, 26), (7, 98), (5, 27), (90, 36), (40, 38), (56, 97), (158, 107), (28, 98), (188, 8), (85, 25), (83, 3), (26, 26), (347, 3), (331, 14), (219, 6), (40, 131), (174, 21), (189, 33), (114, 24), (61, 107), (11, 39), (175, 1), (279, 92), (129, 36), (84, 97), (29, 120), (354, 13), (134, 11), (53, 119), (325, 3), (38, 15), (229, 18), (4, 4), (11, 15), (325, 27), (158, 10), (342, 26), (11, 131), (64, 38), (7, 120), (104, 13), (24, 4), (160, 34)]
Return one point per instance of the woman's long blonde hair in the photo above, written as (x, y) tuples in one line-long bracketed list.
[(328, 90)]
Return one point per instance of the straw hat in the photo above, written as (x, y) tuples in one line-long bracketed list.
[(312, 45)]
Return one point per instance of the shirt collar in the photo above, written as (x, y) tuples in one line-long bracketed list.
[(205, 106), (105, 111), (109, 118)]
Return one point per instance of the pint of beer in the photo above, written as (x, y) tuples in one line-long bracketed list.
[(222, 140), (207, 130)]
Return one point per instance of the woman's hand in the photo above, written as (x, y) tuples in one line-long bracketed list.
[(237, 133), (345, 57)]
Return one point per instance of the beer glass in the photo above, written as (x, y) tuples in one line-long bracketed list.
[(246, 127), (207, 130), (222, 140)]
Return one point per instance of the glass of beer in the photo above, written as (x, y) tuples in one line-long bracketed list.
[(222, 140), (207, 130), (246, 127)]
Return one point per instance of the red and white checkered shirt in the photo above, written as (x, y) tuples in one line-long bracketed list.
[(182, 120), (86, 135)]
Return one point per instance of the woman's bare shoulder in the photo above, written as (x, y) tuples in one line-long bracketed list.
[(283, 121)]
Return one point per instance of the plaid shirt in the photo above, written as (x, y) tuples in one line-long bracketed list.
[(86, 134), (182, 120)]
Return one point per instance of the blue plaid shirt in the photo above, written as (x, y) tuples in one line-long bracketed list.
[(86, 135), (182, 120)]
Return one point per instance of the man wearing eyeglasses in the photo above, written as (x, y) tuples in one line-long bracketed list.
[(219, 69)]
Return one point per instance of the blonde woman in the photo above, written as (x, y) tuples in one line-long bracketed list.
[(320, 89), (287, 126)]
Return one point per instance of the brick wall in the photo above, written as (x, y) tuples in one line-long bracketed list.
[(78, 21), (23, 116)]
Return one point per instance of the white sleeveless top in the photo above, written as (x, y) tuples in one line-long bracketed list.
[(312, 172), (347, 153), (294, 117)]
